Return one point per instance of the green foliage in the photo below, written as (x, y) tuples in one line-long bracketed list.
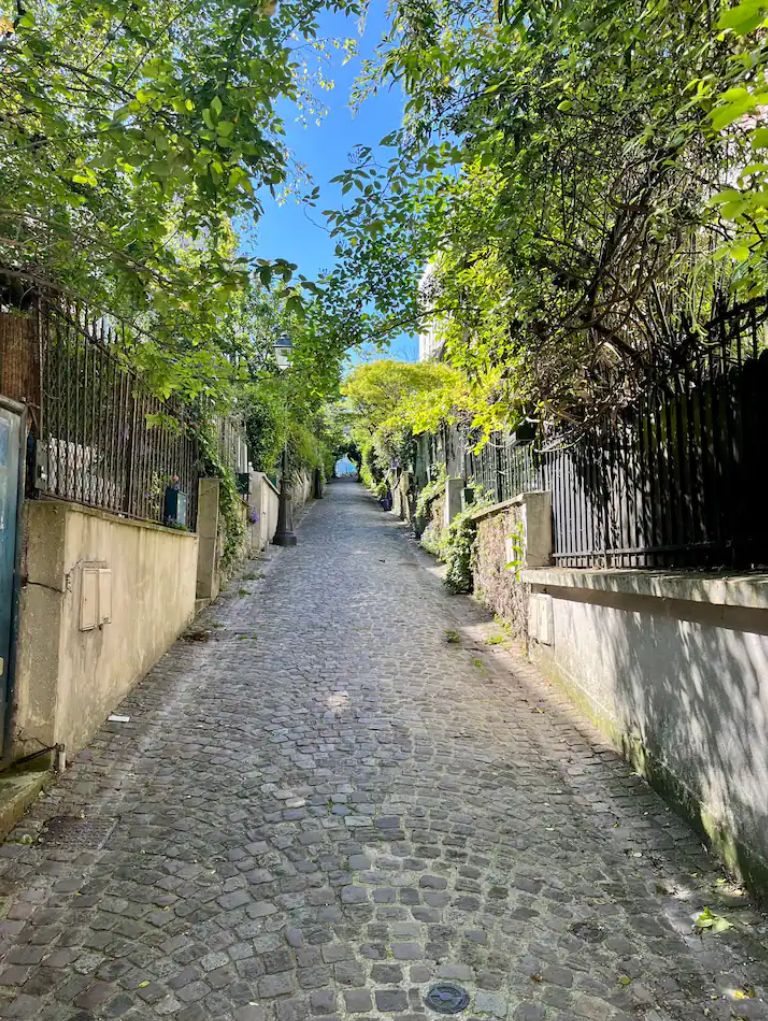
[(307, 447), (134, 134), (343, 446), (456, 544), (230, 500), (295, 408), (734, 99), (457, 551), (708, 921), (371, 475), (517, 537), (556, 171), (265, 434), (388, 402), (337, 441), (433, 489)]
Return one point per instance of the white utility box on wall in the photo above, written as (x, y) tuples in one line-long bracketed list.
[(95, 596), (540, 619)]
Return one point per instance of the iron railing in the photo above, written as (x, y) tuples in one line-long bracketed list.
[(678, 479), (105, 440), (503, 467)]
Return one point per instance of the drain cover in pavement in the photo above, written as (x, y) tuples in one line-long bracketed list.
[(72, 831), (447, 998), (588, 931)]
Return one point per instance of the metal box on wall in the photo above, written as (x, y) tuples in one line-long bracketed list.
[(175, 507)]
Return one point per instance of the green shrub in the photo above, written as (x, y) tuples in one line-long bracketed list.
[(430, 492), (456, 545), (458, 548)]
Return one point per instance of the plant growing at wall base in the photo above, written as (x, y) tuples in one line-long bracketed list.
[(517, 541), (458, 550), (371, 475), (433, 489), (456, 547)]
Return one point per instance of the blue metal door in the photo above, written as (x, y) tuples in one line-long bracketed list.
[(10, 452)]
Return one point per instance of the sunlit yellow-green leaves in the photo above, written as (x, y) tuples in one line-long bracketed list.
[(558, 168)]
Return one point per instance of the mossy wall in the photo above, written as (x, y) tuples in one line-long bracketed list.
[(433, 532), (497, 587)]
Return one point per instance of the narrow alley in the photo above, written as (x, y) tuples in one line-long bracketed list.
[(322, 807)]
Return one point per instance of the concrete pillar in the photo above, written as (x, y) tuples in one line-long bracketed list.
[(536, 532), (404, 487), (453, 499), (254, 512), (208, 532), (537, 518)]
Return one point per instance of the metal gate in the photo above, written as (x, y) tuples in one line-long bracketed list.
[(11, 433)]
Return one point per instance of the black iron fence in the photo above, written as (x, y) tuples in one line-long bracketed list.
[(504, 466), (104, 440), (680, 480)]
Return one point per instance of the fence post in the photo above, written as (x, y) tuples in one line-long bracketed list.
[(208, 532), (128, 496), (454, 487), (537, 522)]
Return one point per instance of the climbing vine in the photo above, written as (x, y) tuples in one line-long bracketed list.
[(459, 542), (433, 489), (230, 499)]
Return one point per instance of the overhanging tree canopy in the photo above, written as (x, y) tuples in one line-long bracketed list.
[(133, 136), (560, 163)]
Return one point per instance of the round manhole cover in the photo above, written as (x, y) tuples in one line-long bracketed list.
[(447, 998)]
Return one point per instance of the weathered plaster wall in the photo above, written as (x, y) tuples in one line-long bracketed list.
[(211, 540), (69, 680), (674, 668), (301, 491)]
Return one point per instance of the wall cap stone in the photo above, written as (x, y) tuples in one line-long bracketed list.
[(515, 501), (716, 588), (119, 519)]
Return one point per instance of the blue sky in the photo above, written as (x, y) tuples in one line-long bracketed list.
[(290, 231)]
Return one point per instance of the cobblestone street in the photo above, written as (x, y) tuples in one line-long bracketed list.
[(322, 806)]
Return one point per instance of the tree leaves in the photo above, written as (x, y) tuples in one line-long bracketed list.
[(708, 921), (557, 171), (134, 134), (745, 17)]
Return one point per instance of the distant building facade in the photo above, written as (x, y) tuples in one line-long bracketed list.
[(431, 345)]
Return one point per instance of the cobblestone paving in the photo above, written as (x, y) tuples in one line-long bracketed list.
[(327, 806)]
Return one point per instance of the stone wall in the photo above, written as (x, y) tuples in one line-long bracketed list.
[(434, 526), (516, 532), (496, 586)]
